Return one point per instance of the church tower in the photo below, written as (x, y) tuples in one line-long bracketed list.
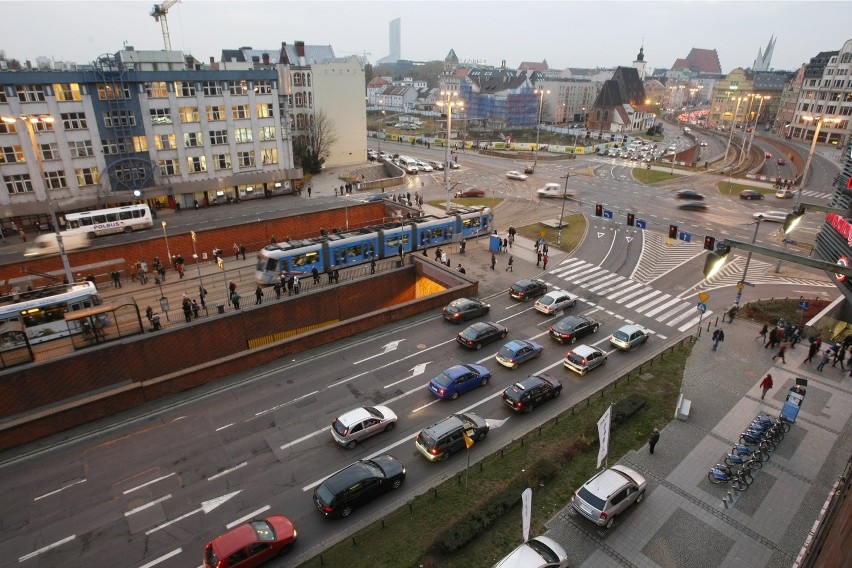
[(639, 64)]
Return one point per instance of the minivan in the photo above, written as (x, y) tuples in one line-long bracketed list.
[(408, 164), (47, 244), (446, 437)]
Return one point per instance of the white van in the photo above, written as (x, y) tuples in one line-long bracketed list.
[(408, 164), (46, 244), (553, 190)]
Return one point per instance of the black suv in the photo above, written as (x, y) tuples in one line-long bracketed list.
[(567, 330), (527, 289), (532, 391), (357, 484), (446, 437)]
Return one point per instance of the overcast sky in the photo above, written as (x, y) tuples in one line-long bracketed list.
[(588, 33)]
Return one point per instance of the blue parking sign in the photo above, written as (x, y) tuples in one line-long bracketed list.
[(641, 223), (685, 237)]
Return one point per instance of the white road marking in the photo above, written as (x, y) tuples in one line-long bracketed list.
[(428, 404), (251, 515), (289, 402), (663, 307), (225, 426), (63, 488), (46, 548), (206, 507), (148, 483), (145, 506), (162, 558), (416, 370), (305, 437), (227, 471), (385, 350)]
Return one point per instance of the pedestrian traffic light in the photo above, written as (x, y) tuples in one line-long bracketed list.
[(672, 231), (631, 219), (598, 210), (709, 242)]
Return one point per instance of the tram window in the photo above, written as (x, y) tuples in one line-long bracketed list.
[(353, 251), (305, 259), (468, 223), (271, 265)]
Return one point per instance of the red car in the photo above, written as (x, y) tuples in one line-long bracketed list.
[(780, 161), (250, 544), (472, 192)]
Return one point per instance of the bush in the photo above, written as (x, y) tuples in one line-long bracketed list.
[(627, 407)]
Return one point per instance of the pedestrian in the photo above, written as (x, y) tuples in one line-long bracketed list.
[(236, 252), (438, 254), (796, 337), (155, 321), (373, 265), (149, 313), (544, 262), (116, 279), (813, 348), (444, 258), (718, 337), (297, 285), (196, 309), (232, 287), (763, 332), (400, 251), (839, 357), (509, 266), (277, 288), (289, 285), (505, 245), (187, 309), (773, 338), (258, 295), (201, 293), (243, 251), (732, 313), (425, 253), (652, 441), (309, 190), (781, 351), (315, 275), (765, 384), (336, 275), (493, 261), (825, 358), (235, 299), (537, 257), (461, 269)]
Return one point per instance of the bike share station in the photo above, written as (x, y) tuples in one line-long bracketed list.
[(795, 397)]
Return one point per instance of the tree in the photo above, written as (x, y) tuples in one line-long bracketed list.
[(320, 136), (11, 64)]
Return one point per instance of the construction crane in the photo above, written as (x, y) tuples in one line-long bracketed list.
[(159, 12)]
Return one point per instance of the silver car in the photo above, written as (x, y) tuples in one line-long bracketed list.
[(584, 358), (608, 494), (359, 424), (628, 337), (537, 552), (554, 301)]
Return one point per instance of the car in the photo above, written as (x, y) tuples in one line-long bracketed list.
[(537, 552), (358, 483), (703, 144), (385, 156), (529, 170), (470, 192), (767, 155), (423, 166), (584, 358), (781, 162), (689, 194), (608, 494), (774, 216), (628, 337), (447, 436), (693, 206), (525, 395), (554, 301), (553, 190), (250, 544), (526, 289), (567, 330), (750, 194), (514, 174), (361, 423), (372, 155), (481, 333), (459, 379), (517, 351), (784, 193), (454, 165), (602, 152), (375, 197), (464, 309), (437, 166)]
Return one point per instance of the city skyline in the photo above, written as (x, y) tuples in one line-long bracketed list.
[(81, 31)]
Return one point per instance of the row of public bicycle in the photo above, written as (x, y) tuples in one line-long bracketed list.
[(755, 444)]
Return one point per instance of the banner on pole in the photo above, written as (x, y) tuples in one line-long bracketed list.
[(526, 511), (603, 434)]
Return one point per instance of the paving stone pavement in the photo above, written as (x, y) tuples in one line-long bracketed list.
[(683, 520)]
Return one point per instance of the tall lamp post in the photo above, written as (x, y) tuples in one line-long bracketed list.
[(30, 121), (760, 98), (742, 282), (166, 237), (819, 121), (540, 93), (449, 102), (562, 213), (751, 97), (733, 125)]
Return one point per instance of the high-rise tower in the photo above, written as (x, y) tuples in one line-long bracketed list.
[(394, 43)]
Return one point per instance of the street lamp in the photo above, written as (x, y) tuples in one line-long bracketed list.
[(748, 261), (449, 102), (540, 93), (819, 121), (29, 121), (562, 213), (381, 127), (761, 98), (165, 236), (733, 125)]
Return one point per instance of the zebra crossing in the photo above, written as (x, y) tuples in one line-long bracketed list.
[(633, 294), (816, 194), (659, 258)]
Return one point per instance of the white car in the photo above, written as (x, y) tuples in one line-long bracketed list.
[(424, 167), (553, 190), (537, 552), (361, 423), (514, 174), (776, 216), (784, 193), (554, 301)]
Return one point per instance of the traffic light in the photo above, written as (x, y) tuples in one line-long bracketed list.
[(598, 210), (709, 242), (631, 219), (672, 231)]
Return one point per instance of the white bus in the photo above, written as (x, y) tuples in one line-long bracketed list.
[(113, 220)]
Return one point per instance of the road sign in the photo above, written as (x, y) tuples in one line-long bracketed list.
[(641, 223), (685, 237), (804, 305), (740, 285), (703, 297), (607, 214), (702, 307)]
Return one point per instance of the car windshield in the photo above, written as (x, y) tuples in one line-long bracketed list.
[(263, 530), (546, 300), (443, 379), (591, 498)]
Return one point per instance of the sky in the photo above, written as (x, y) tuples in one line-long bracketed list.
[(566, 33)]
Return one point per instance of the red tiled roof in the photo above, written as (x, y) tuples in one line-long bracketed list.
[(700, 61), (533, 66), (377, 82)]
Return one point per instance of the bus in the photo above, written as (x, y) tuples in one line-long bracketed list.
[(42, 311), (124, 219)]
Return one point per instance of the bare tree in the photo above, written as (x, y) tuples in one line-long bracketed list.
[(321, 135)]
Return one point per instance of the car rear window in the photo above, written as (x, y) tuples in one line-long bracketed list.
[(324, 494), (506, 353), (591, 498), (425, 439), (443, 379), (546, 300), (514, 393), (621, 336), (339, 427), (575, 358), (470, 333), (263, 530)]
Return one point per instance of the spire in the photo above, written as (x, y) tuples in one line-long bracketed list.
[(641, 56)]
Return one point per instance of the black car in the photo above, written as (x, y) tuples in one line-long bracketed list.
[(464, 309), (750, 194), (532, 391), (357, 484), (480, 333), (689, 194), (567, 330), (693, 206), (527, 289)]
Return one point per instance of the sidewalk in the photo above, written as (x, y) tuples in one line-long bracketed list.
[(683, 520)]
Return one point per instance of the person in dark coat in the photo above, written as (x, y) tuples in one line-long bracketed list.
[(652, 441)]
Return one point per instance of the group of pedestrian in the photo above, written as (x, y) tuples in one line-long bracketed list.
[(191, 309), (239, 249)]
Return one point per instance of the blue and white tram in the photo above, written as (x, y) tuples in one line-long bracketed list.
[(42, 311), (339, 250)]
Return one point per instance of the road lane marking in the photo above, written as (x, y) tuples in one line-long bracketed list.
[(162, 558), (427, 405), (305, 437), (146, 505), (148, 483), (46, 548), (227, 471), (251, 515), (206, 507), (283, 404), (63, 488), (225, 426)]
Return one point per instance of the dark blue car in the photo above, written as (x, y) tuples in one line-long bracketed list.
[(516, 352), (458, 380)]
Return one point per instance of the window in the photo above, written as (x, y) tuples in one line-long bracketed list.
[(269, 156), (87, 176), (12, 155), (239, 88), (129, 173), (165, 142), (218, 136), (30, 93), (188, 114), (192, 139), (184, 89), (222, 161), (20, 183), (245, 159), (112, 92), (161, 116), (297, 79), (55, 180), (215, 112), (266, 133), (240, 111), (80, 148), (113, 146), (140, 144), (73, 121), (169, 167), (263, 88), (7, 127), (66, 91), (211, 88), (195, 164), (42, 126), (264, 110), (157, 90), (119, 118), (300, 101), (49, 151), (242, 135), (3, 94)]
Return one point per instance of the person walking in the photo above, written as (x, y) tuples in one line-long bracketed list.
[(812, 350), (537, 257), (235, 299), (732, 314), (839, 357), (315, 274), (544, 262), (826, 355), (652, 441), (196, 309), (258, 295), (763, 332), (765, 384), (187, 309), (718, 337), (509, 266), (373, 265), (243, 251), (781, 351), (493, 261), (309, 190)]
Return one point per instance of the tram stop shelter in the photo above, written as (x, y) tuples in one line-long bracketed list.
[(15, 346), (103, 323)]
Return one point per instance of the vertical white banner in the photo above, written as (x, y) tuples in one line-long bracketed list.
[(526, 511), (603, 435)]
